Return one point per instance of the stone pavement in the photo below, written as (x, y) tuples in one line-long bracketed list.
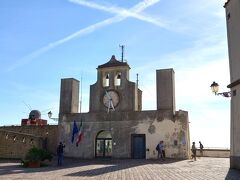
[(128, 169)]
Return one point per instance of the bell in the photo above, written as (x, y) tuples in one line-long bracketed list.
[(119, 76)]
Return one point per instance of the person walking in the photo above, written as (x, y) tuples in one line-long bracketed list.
[(194, 151), (60, 153), (201, 148)]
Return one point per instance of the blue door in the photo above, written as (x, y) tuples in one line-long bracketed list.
[(138, 146)]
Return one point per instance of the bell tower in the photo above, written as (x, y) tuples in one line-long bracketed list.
[(113, 85)]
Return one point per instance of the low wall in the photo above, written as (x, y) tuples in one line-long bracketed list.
[(221, 153), (15, 141), (15, 144)]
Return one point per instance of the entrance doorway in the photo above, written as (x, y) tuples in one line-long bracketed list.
[(103, 143), (138, 146)]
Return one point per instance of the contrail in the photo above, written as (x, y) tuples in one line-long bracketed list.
[(135, 9), (121, 11)]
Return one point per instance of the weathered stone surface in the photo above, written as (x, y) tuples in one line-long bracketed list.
[(233, 28), (21, 138), (122, 125)]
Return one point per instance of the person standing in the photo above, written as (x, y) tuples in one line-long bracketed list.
[(162, 149), (158, 149), (60, 153), (194, 151), (201, 148)]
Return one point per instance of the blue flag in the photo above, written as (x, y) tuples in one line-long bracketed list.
[(74, 131)]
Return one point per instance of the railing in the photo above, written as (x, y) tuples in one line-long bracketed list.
[(215, 152)]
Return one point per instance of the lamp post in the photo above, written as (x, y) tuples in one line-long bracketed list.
[(50, 116), (215, 87)]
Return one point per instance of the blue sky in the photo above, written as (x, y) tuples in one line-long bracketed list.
[(44, 41)]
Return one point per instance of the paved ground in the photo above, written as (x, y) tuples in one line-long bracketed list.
[(203, 169)]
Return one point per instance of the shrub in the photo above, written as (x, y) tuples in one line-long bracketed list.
[(37, 154)]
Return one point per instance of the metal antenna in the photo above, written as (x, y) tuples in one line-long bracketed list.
[(122, 48), (137, 80), (28, 106)]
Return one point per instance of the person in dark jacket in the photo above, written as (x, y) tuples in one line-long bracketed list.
[(201, 148), (60, 153), (194, 151), (162, 149), (159, 150)]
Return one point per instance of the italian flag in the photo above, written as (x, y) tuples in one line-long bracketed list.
[(80, 134)]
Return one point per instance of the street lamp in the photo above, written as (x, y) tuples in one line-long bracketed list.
[(50, 116), (215, 87)]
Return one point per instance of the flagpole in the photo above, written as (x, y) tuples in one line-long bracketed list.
[(80, 130), (81, 95)]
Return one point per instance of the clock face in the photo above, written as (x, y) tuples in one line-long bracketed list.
[(110, 98)]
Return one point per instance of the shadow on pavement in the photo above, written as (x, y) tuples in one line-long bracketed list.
[(14, 167), (116, 165), (233, 174)]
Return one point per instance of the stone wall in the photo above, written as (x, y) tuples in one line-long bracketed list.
[(233, 29), (220, 153), (156, 125), (16, 140), (15, 145)]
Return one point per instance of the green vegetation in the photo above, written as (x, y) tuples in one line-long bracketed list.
[(35, 155)]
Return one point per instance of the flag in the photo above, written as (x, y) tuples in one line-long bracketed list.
[(80, 134), (74, 131)]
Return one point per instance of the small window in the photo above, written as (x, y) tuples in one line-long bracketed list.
[(106, 80), (104, 134)]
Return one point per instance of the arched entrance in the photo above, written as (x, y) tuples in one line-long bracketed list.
[(103, 144)]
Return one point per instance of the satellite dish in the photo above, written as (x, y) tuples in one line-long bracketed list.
[(35, 114)]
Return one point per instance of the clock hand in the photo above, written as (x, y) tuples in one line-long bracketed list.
[(110, 105), (109, 97), (111, 102)]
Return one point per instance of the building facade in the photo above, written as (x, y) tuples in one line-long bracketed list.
[(232, 8), (116, 126)]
